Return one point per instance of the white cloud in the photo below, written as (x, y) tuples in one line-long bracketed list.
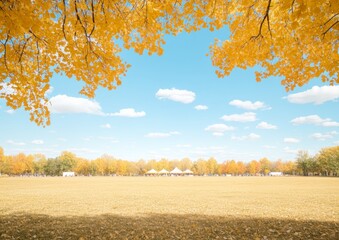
[(331, 124), (16, 143), (248, 105), (38, 142), (161, 134), (316, 95), (219, 128), (245, 117), (128, 112), (291, 140), (315, 120), (251, 136), (177, 95), (201, 107), (324, 136), (10, 111), (265, 125), (107, 126), (66, 104)]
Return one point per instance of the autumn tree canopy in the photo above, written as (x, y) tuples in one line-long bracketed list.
[(293, 39)]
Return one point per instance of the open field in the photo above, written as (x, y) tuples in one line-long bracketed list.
[(169, 208)]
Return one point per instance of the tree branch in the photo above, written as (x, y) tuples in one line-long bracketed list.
[(64, 19), (266, 16), (324, 33), (93, 18)]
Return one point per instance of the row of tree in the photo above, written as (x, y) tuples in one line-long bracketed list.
[(326, 162)]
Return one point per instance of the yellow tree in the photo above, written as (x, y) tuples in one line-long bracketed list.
[(265, 166), (241, 167), (294, 39), (212, 165), (253, 167)]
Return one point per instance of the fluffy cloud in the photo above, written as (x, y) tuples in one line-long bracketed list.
[(315, 120), (201, 107), (38, 142), (245, 117), (128, 112), (10, 111), (16, 143), (316, 95), (251, 136), (265, 125), (66, 104), (219, 129), (248, 105), (291, 140), (107, 126), (324, 136), (161, 134), (177, 95)]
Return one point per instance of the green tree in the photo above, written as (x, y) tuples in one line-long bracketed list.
[(328, 159), (304, 162), (39, 163), (53, 167), (68, 161)]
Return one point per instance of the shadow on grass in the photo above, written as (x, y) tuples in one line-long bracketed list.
[(160, 226)]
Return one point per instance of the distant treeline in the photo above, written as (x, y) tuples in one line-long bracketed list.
[(325, 163)]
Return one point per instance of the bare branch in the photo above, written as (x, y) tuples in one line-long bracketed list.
[(266, 16), (330, 28), (5, 52), (64, 19), (93, 18), (37, 37), (331, 18), (37, 55), (23, 49)]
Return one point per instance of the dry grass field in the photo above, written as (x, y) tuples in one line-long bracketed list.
[(169, 208)]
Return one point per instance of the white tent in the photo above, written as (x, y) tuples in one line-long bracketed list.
[(188, 172), (164, 172), (176, 171), (152, 171)]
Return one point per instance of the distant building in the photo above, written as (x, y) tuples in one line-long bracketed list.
[(68, 174), (275, 174)]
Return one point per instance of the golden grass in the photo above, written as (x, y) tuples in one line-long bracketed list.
[(307, 205)]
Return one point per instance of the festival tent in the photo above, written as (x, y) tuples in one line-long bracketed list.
[(163, 172), (152, 171), (176, 171)]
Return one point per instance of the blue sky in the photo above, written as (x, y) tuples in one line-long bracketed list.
[(174, 106)]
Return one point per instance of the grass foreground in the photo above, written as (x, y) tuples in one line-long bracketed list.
[(169, 208)]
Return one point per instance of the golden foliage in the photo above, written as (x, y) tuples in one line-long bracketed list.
[(295, 39)]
